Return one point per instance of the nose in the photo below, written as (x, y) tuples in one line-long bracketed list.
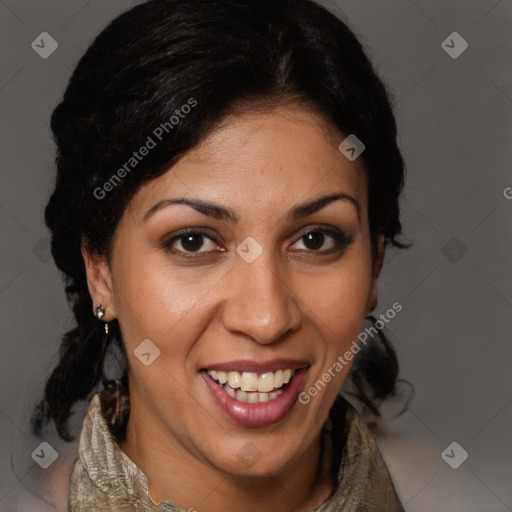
[(261, 303)]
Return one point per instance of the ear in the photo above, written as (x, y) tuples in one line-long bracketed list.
[(378, 260), (99, 282)]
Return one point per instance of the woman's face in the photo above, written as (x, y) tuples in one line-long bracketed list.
[(280, 283)]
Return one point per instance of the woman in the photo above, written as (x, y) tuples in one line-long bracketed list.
[(228, 181)]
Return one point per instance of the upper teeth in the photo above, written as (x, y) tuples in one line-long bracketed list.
[(249, 381)]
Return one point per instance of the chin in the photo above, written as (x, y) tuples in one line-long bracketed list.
[(250, 460)]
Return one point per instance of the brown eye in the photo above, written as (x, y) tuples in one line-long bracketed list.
[(188, 243), (314, 240), (192, 242)]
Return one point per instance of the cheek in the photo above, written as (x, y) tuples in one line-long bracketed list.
[(337, 308), (339, 300), (163, 303)]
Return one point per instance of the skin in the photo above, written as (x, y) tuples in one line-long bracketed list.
[(293, 301)]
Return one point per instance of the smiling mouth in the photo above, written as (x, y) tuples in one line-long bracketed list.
[(251, 387), (257, 397)]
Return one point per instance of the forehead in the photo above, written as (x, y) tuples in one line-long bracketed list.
[(260, 159)]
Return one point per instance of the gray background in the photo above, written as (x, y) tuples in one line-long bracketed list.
[(453, 334)]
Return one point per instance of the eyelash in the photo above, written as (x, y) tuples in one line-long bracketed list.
[(342, 239)]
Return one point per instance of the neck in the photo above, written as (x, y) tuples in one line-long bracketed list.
[(191, 483)]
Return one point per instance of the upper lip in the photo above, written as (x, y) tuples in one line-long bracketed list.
[(246, 365)]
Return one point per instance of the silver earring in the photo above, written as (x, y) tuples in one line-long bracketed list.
[(100, 312)]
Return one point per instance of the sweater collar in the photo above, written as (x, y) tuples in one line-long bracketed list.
[(106, 477)]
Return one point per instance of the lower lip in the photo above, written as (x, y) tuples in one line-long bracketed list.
[(261, 414)]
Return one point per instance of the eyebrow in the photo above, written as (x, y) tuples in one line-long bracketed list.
[(221, 213)]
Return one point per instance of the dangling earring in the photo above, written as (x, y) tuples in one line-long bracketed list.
[(100, 313)]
